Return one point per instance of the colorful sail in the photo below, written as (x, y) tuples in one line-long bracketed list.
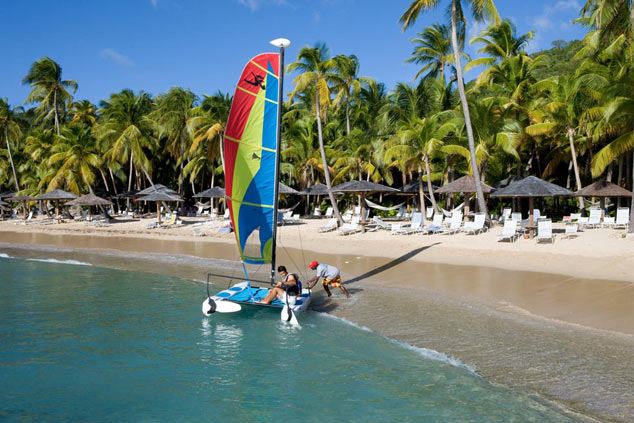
[(250, 157)]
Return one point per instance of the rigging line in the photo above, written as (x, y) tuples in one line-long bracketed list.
[(301, 248), (291, 257)]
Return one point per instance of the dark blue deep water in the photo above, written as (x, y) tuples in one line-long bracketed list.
[(83, 343)]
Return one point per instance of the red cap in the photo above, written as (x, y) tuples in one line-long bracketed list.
[(313, 264)]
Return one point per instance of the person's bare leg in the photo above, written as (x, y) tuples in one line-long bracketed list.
[(344, 290), (273, 293), (327, 290)]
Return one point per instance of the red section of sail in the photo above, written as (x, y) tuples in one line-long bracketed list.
[(251, 80)]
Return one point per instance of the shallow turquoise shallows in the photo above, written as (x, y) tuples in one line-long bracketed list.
[(82, 343)]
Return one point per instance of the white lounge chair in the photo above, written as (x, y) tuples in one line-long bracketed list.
[(416, 225), (571, 230), (545, 231), (476, 226), (506, 214), (622, 218), (509, 231), (594, 221), (329, 212), (429, 213), (608, 222), (316, 212), (351, 228), (455, 225), (436, 224), (516, 217), (330, 226), (380, 224), (226, 214)]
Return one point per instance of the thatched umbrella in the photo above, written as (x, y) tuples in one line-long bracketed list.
[(602, 190), (57, 196), (155, 188), (285, 189), (531, 187), (159, 197), (362, 188), (412, 188), (89, 200), (463, 185), (317, 189), (214, 192)]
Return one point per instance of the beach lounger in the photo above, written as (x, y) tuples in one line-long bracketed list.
[(317, 212), (506, 214), (226, 214), (429, 213), (608, 222), (380, 224), (571, 230), (545, 231), (509, 231), (455, 225), (329, 212), (516, 217), (351, 228), (416, 225), (476, 226), (594, 221), (330, 226), (622, 218), (436, 224), (574, 217)]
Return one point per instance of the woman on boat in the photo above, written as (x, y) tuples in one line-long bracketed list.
[(331, 275), (289, 285)]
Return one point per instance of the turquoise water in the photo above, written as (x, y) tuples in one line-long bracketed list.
[(86, 343)]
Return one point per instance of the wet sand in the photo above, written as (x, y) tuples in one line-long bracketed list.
[(565, 339)]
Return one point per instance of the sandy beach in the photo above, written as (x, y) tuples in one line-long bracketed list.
[(555, 321)]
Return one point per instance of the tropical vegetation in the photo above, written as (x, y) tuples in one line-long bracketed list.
[(564, 114)]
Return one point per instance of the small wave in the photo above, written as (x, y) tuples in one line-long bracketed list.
[(74, 262), (3, 255), (425, 352), (435, 355)]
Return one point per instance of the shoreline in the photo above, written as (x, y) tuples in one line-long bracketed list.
[(464, 317)]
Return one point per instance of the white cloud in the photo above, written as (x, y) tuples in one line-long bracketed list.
[(154, 3), (568, 5), (560, 11), (254, 5), (111, 55)]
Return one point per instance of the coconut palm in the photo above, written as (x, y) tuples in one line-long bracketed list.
[(173, 111), (126, 131), (499, 42), (50, 90), (482, 10), (348, 83), (432, 50), (11, 132), (316, 72), (83, 112), (75, 159)]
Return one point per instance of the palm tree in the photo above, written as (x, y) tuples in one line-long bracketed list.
[(316, 71), (172, 114), (499, 42), (207, 125), (433, 51), (84, 112), (482, 10), (49, 89), (126, 132), (417, 141), (10, 129), (348, 82), (75, 158)]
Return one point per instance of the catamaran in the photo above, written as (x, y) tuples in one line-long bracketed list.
[(252, 143)]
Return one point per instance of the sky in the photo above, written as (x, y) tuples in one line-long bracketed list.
[(202, 45)]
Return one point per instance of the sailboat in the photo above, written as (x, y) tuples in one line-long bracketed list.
[(252, 143)]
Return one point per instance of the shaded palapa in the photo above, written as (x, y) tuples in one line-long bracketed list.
[(463, 185)]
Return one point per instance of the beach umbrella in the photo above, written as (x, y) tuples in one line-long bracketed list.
[(412, 188), (362, 188), (159, 197), (531, 187), (602, 190), (127, 194), (285, 189), (19, 198), (317, 189), (214, 192), (89, 200), (155, 188), (56, 196), (463, 185)]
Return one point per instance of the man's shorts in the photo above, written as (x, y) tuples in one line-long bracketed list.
[(334, 282)]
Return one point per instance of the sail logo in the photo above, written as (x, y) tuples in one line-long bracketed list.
[(257, 81)]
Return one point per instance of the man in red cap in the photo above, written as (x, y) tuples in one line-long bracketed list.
[(331, 275)]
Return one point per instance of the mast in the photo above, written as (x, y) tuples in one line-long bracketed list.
[(282, 44)]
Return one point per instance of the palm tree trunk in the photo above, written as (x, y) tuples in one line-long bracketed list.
[(222, 151), (105, 181), (322, 151), (347, 116), (421, 193), (130, 180), (114, 184), (575, 166), (430, 187), (631, 226), (465, 106), (15, 175), (56, 112)]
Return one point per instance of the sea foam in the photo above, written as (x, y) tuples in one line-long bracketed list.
[(3, 255), (424, 352), (73, 262)]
